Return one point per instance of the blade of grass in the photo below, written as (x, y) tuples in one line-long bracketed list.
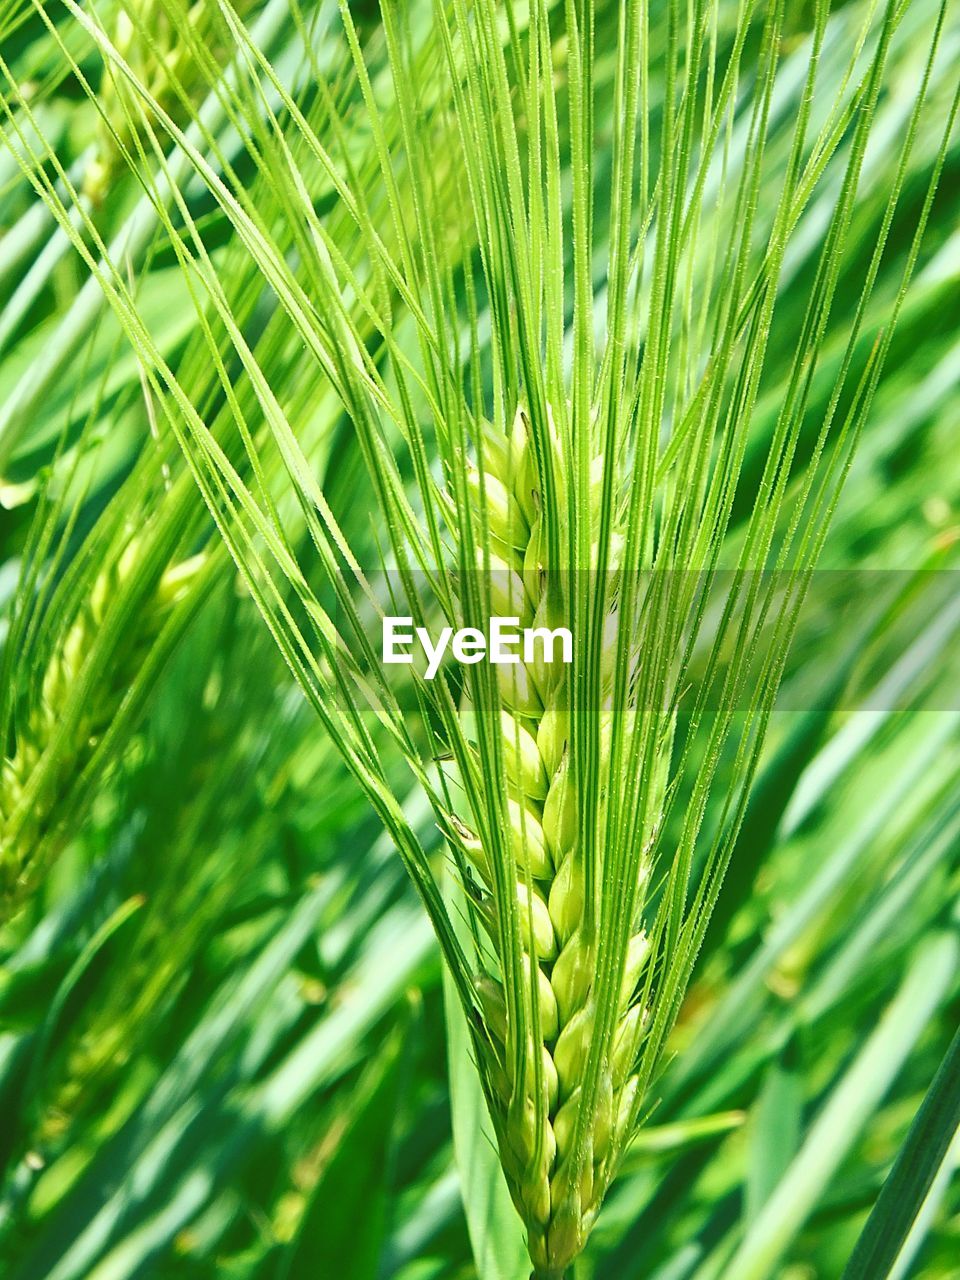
[(908, 1184), (841, 1119)]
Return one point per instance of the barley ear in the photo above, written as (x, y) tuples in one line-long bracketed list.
[(555, 1178), (84, 683)]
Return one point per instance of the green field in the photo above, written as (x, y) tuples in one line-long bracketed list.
[(637, 317)]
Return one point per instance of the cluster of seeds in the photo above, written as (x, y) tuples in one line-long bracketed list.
[(556, 1190), (27, 811)]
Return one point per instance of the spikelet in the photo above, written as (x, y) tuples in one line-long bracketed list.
[(556, 1194), (150, 39), (28, 814)]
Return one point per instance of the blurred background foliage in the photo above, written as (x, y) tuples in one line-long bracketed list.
[(222, 1030)]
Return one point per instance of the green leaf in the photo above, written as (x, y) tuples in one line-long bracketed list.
[(355, 1184), (106, 366), (48, 1028), (905, 1191), (659, 1138), (496, 1236), (774, 1133), (848, 1107)]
